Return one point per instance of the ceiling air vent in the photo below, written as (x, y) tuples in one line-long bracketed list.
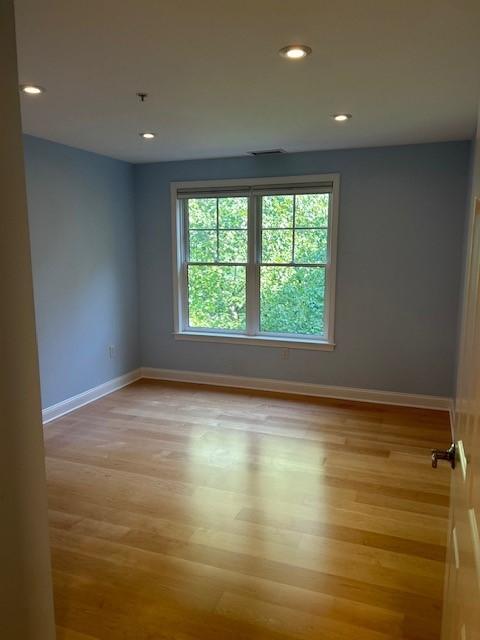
[(266, 152)]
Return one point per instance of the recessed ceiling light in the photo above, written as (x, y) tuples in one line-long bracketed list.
[(341, 117), (31, 89), (295, 51), (147, 135)]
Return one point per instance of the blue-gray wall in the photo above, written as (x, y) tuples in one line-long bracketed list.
[(402, 212), (82, 234), (101, 250)]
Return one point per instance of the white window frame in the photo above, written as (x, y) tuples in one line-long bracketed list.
[(249, 187)]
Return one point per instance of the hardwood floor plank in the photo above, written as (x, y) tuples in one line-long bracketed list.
[(290, 621), (69, 634), (187, 512)]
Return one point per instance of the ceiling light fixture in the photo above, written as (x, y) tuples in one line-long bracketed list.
[(147, 135), (31, 89), (341, 117), (295, 51)]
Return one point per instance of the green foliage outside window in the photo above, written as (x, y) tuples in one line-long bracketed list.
[(216, 297), (294, 230), (291, 300)]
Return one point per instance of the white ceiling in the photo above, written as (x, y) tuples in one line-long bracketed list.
[(408, 71)]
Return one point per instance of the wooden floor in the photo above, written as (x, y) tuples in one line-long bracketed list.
[(183, 512)]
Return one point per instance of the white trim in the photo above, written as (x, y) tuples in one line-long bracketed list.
[(254, 182), (475, 541), (258, 341), (180, 293), (452, 412), (456, 555), (177, 256), (301, 388), (243, 382), (75, 402), (331, 271), (462, 458)]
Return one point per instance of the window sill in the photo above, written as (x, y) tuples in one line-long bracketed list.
[(259, 341)]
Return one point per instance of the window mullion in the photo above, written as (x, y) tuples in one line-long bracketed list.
[(252, 268), (293, 228), (218, 237)]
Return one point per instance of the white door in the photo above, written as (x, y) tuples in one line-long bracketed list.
[(461, 611)]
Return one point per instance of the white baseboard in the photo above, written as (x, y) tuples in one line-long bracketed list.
[(75, 402), (301, 388), (244, 382)]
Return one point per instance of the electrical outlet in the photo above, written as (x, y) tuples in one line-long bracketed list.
[(285, 354), (111, 351)]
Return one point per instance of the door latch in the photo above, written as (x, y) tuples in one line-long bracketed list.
[(444, 454)]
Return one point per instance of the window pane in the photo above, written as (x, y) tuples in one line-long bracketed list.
[(216, 297), (277, 211), (232, 213), (292, 300), (203, 246), (277, 245), (202, 213), (233, 246), (311, 210), (311, 245)]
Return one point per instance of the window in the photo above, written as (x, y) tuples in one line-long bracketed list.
[(255, 260)]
